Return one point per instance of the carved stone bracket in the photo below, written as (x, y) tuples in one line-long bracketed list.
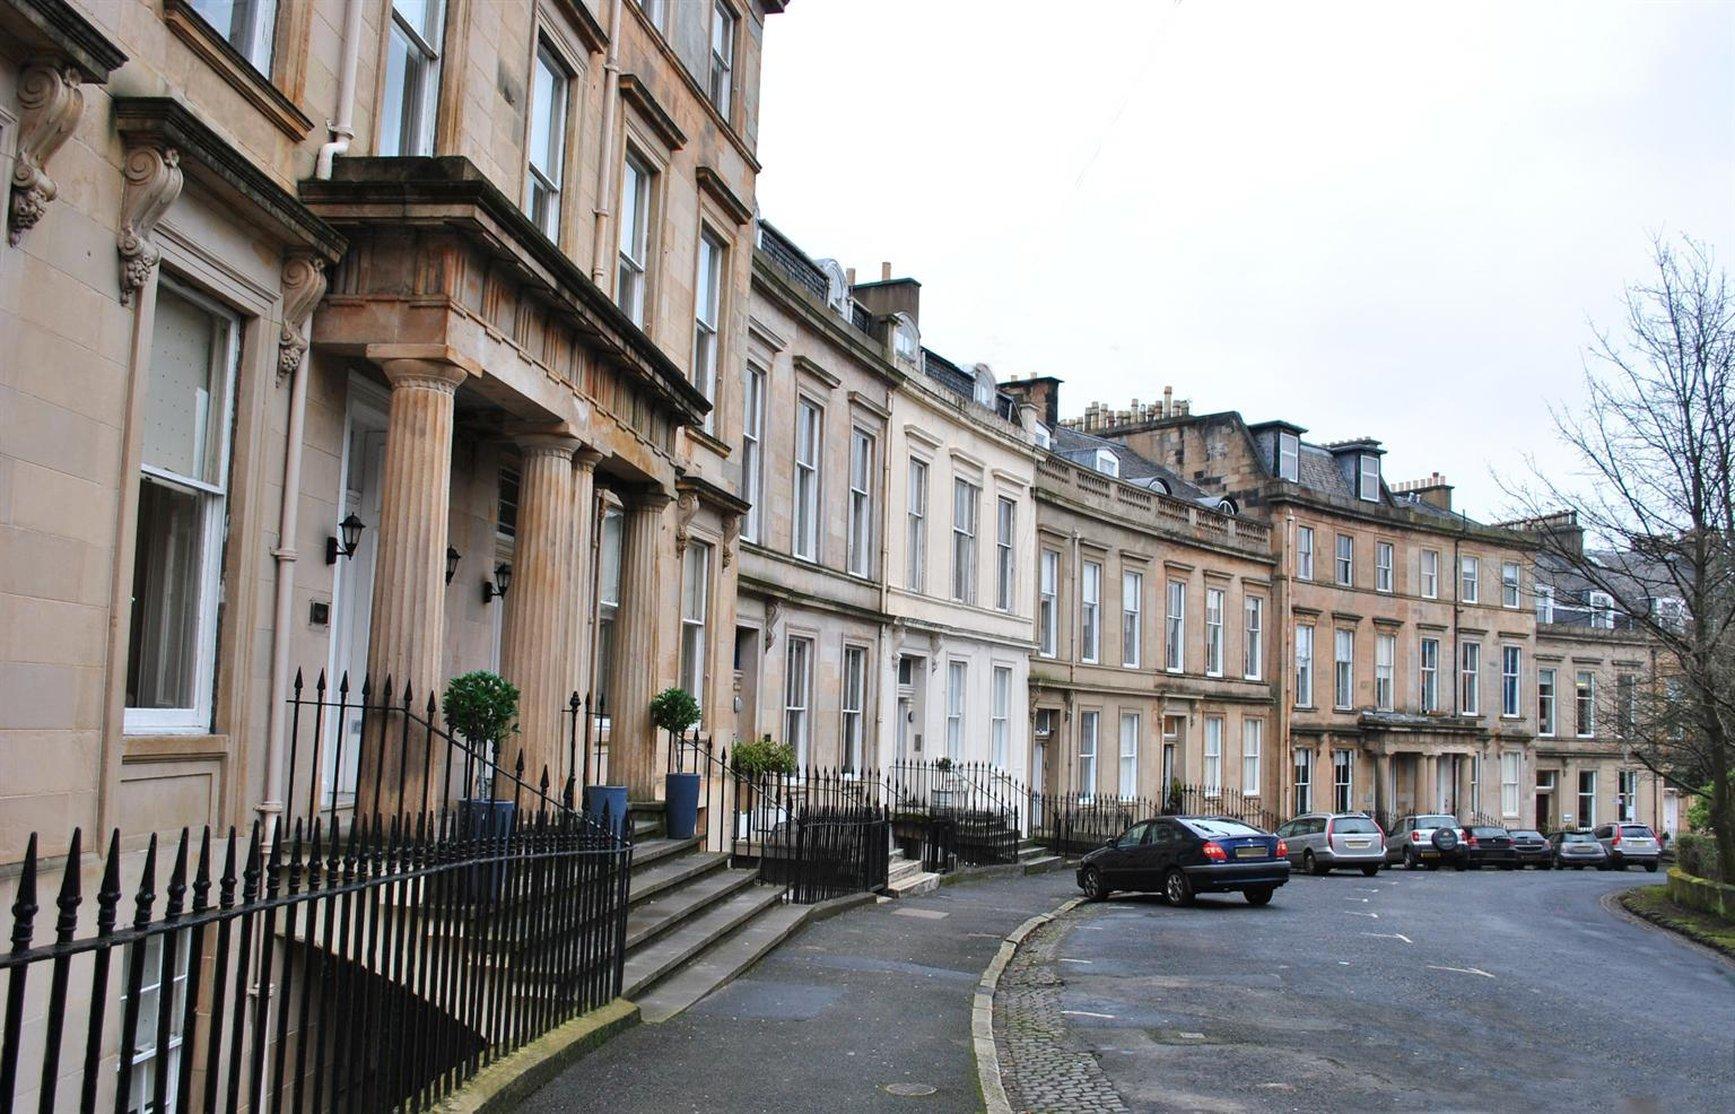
[(51, 102), (686, 506), (153, 181), (303, 287), (731, 536), (773, 608)]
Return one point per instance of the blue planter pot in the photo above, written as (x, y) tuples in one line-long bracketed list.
[(609, 800), (681, 804), (489, 822)]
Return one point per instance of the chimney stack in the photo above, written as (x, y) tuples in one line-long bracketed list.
[(849, 276), (1168, 402), (886, 271)]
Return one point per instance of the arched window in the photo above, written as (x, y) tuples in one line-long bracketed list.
[(906, 341), (1227, 506), (986, 387), (836, 286)]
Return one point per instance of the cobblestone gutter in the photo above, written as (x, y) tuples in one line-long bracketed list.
[(1041, 1070)]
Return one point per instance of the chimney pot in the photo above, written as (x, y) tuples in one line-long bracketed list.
[(1168, 401), (849, 276)]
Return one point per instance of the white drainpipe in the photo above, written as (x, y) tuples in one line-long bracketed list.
[(283, 601), (605, 179), (342, 128)]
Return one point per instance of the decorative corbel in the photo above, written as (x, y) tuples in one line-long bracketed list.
[(303, 287), (773, 608), (51, 103), (153, 181), (731, 536), (686, 506)]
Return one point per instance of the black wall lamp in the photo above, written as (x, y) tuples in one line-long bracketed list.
[(452, 559), (497, 587), (351, 528)]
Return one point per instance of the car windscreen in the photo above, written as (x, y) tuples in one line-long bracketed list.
[(1222, 828), (1526, 835), (1353, 825), (1636, 831), (1489, 833), (1436, 822), (1577, 837)]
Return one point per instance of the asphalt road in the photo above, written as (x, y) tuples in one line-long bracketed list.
[(1412, 990)]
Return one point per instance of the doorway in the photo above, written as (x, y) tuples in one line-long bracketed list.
[(1546, 781), (364, 451)]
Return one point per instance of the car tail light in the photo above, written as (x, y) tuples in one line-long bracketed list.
[(1283, 846), (1415, 837), (1214, 851), (1328, 825), (1469, 840)]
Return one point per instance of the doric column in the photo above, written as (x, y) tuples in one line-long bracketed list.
[(1384, 790), (1429, 797), (535, 647), (406, 637), (633, 752), (583, 625)]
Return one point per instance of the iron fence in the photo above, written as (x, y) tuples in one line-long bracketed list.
[(372, 965), (1072, 823), (970, 812)]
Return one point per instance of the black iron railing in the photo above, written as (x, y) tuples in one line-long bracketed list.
[(361, 964), (1072, 823), (968, 812)]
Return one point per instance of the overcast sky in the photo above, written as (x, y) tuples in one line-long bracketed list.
[(1392, 220)]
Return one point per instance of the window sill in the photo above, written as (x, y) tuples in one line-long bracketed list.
[(188, 26)]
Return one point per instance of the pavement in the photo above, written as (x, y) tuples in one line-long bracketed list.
[(1412, 990), (875, 998)]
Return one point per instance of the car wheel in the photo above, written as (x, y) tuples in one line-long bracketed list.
[(1092, 885), (1410, 860), (1260, 895), (1310, 864), (1370, 871), (1650, 868), (1177, 888)]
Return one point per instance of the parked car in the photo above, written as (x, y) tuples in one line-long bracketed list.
[(1485, 845), (1181, 856), (1630, 843), (1578, 848), (1533, 849), (1321, 841), (1427, 838)]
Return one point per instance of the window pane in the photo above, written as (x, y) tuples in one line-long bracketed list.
[(186, 405), (168, 567)]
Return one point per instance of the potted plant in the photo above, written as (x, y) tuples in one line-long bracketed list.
[(945, 790), (1176, 792), (753, 760), (674, 710), (482, 708)]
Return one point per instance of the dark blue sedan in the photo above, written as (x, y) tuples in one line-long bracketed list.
[(1182, 856)]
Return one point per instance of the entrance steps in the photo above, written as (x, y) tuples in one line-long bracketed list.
[(1033, 858), (906, 878)]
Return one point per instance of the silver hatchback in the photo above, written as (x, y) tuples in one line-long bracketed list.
[(1321, 841), (1630, 843)]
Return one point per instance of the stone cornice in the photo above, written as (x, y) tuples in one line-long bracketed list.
[(713, 186), (636, 93), (57, 26)]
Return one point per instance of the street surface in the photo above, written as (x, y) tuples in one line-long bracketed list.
[(1410, 991)]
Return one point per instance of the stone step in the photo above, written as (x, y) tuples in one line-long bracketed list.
[(669, 953), (773, 924), (1042, 864), (1028, 851), (900, 869), (651, 850), (671, 871), (650, 919), (911, 885)]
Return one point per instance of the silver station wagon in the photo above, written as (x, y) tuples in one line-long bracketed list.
[(1320, 842)]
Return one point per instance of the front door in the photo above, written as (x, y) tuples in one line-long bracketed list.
[(1671, 812), (1545, 783), (363, 462)]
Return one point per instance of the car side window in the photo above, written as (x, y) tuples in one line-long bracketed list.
[(1134, 835), (1162, 835), (1287, 830)]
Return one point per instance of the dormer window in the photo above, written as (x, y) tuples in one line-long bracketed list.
[(1288, 457), (1107, 463), (985, 389), (906, 342), (836, 286), (1368, 473), (1227, 506), (1044, 439)]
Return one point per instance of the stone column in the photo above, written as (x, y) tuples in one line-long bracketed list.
[(634, 756), (406, 639), (583, 599), (1384, 790), (1429, 798), (536, 645)]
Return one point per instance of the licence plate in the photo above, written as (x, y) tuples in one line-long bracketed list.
[(1356, 842), (1249, 852)]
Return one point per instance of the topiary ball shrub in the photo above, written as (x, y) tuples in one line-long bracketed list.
[(674, 710)]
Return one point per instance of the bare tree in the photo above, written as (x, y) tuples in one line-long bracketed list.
[(1654, 439)]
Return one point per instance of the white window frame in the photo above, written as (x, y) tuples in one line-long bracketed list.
[(1089, 612), (1129, 754), (1342, 779), (1343, 669), (1215, 601), (1089, 731), (1213, 772), (753, 452), (1627, 796), (966, 518), (1586, 799), (1048, 604), (632, 277), (1584, 704), (713, 254), (1368, 478), (145, 1050), (1511, 769), (1288, 457), (1253, 648), (852, 706), (695, 576), (957, 698), (1252, 755), (804, 538), (1547, 701), (1544, 603), (213, 509), (1000, 712), (1384, 555), (1175, 626), (798, 695), (252, 30), (1511, 594), (1469, 579), (1511, 682), (417, 100), (1304, 649), (1303, 780), (721, 84), (1602, 611), (1344, 555), (543, 184), (1304, 552), (1107, 463), (1470, 679), (916, 526), (1385, 671), (1005, 553), (861, 523), (1429, 568), (1428, 670), (1132, 617)]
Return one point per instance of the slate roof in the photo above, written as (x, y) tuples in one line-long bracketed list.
[(1080, 448)]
